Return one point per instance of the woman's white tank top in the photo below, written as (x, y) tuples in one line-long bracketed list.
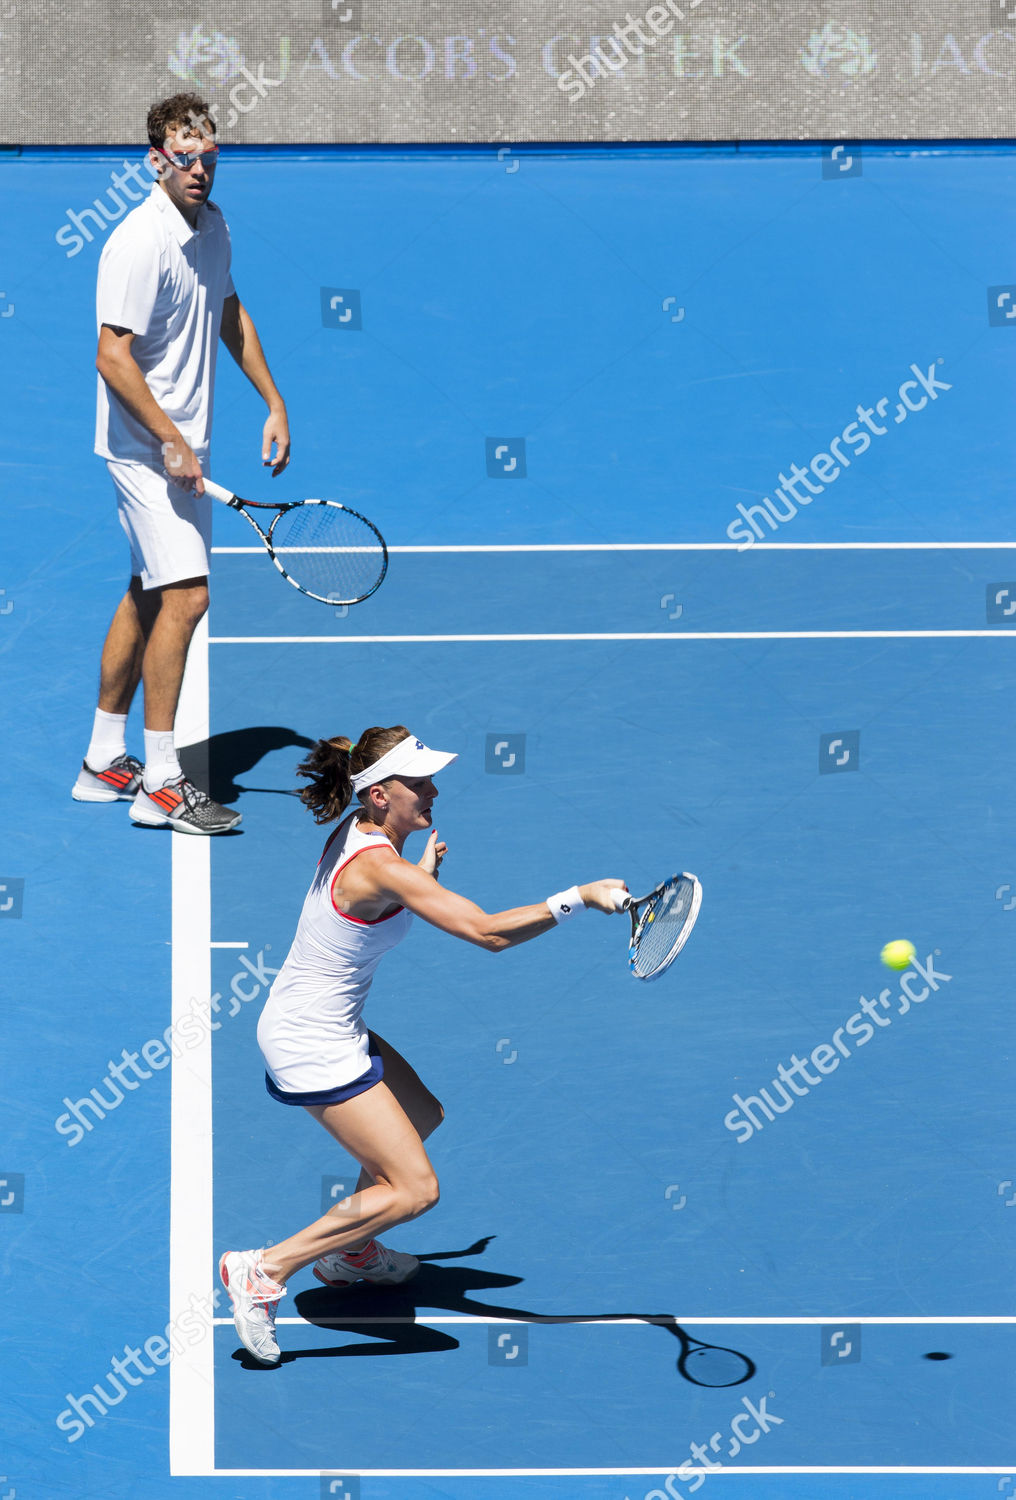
[(311, 1032)]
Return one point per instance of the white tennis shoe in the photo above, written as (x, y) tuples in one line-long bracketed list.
[(255, 1297), (120, 781), (374, 1263)]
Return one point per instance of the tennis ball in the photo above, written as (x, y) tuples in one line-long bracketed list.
[(898, 954)]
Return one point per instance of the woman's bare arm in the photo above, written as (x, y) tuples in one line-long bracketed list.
[(398, 880)]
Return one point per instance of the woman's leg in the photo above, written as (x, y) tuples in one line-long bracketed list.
[(409, 1089), (378, 1133), (416, 1099)]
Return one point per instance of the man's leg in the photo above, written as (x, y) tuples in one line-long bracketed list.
[(166, 796), (108, 773), (169, 534), (165, 655), (124, 648)]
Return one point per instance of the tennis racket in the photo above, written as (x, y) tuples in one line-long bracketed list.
[(661, 923), (322, 548)]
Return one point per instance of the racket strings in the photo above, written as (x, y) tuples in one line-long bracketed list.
[(329, 552), (661, 927)]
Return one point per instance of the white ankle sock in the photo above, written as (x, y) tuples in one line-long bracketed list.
[(161, 764), (107, 740)]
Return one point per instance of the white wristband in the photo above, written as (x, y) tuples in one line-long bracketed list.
[(565, 904)]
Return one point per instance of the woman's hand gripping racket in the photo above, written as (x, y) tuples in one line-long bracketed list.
[(661, 923), (322, 548)]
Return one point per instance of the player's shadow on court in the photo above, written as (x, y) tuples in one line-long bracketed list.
[(216, 764), (389, 1314)]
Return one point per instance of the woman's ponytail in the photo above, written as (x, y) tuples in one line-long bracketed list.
[(332, 764), (327, 768)]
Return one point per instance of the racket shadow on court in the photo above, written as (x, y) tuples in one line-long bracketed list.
[(390, 1314), (218, 762)]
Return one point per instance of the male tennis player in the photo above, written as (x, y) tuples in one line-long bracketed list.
[(164, 299), (318, 1051)]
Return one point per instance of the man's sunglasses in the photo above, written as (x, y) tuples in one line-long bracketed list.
[(185, 160)]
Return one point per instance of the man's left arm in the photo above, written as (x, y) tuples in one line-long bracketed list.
[(241, 339)]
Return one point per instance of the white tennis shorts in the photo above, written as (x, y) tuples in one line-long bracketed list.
[(169, 529)]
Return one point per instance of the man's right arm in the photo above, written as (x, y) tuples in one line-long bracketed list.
[(122, 374)]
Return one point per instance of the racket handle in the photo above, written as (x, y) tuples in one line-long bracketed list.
[(219, 492), (622, 899)]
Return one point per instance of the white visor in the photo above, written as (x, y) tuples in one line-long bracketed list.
[(410, 757)]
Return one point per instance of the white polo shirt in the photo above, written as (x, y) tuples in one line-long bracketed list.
[(166, 282)]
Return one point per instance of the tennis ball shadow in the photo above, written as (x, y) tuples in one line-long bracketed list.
[(214, 764)]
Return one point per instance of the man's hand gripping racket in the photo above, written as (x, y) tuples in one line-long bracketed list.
[(661, 923)]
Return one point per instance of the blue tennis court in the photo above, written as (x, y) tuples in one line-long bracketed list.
[(572, 368)]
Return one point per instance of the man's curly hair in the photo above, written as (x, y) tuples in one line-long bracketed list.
[(166, 117)]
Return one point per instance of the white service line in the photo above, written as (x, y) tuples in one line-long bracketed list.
[(192, 1370), (620, 635)]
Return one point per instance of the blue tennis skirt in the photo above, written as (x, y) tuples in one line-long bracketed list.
[(374, 1074)]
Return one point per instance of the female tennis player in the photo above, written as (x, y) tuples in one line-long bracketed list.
[(318, 1052)]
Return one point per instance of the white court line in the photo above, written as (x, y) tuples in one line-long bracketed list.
[(619, 635), (724, 1473), (536, 1322), (760, 546), (229, 945), (192, 1371)]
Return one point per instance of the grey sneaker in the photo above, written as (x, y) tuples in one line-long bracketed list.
[(120, 781), (183, 806), (254, 1296), (374, 1263)]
